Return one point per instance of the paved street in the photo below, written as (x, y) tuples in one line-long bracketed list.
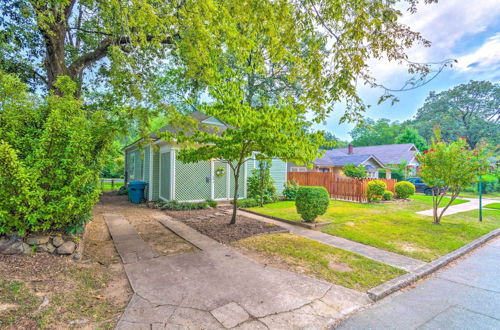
[(465, 295)]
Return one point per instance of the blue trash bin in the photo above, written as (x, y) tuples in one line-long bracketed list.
[(136, 191)]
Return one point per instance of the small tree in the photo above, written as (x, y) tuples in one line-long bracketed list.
[(354, 171), (261, 184), (450, 167)]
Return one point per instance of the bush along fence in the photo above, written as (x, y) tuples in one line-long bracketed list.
[(349, 189)]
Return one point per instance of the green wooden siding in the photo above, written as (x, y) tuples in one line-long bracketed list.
[(241, 184), (191, 180), (278, 173), (165, 180), (155, 184)]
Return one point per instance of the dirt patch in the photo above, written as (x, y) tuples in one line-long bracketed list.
[(215, 224), (410, 247), (339, 266)]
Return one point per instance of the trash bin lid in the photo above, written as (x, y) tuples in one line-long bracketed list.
[(137, 183)]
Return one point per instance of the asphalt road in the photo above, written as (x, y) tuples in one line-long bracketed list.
[(465, 295)]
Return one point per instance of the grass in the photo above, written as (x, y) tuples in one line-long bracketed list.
[(316, 259), (495, 206), (492, 195), (21, 300), (396, 227), (106, 186)]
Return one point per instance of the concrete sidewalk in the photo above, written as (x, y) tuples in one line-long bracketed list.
[(473, 204), (219, 288), (466, 295)]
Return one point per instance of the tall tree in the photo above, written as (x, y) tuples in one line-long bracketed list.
[(333, 142), (411, 135), (372, 133), (470, 110)]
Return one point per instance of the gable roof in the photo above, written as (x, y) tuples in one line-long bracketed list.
[(387, 154), (333, 158)]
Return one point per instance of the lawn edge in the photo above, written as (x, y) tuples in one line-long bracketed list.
[(313, 225), (402, 281)]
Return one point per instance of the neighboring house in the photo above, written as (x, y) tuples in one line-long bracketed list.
[(386, 157), (168, 178)]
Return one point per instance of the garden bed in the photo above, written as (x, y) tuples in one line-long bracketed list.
[(215, 224)]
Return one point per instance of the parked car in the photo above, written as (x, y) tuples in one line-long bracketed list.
[(420, 186)]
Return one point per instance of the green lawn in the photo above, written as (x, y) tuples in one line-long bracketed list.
[(495, 206), (320, 260), (493, 195), (107, 186), (396, 227)]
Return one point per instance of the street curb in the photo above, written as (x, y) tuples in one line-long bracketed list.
[(395, 284), (313, 225)]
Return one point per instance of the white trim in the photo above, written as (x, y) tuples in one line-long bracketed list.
[(150, 185), (160, 176), (212, 179), (132, 161), (228, 181), (172, 173)]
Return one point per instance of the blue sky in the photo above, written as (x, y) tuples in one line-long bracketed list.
[(468, 31)]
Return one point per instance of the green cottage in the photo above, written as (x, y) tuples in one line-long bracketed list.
[(171, 179)]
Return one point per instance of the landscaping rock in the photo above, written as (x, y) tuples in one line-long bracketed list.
[(37, 240), (18, 248), (66, 248), (47, 247), (57, 241)]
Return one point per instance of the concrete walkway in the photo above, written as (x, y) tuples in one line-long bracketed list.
[(473, 204), (463, 296), (219, 288), (389, 258)]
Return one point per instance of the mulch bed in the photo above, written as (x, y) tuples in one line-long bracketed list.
[(215, 224)]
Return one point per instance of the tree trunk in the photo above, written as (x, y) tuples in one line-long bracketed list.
[(235, 194)]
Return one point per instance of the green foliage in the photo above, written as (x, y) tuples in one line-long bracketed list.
[(372, 133), (291, 189), (354, 171), (388, 195), (332, 142), (469, 110), (211, 203), (450, 167), (51, 152), (404, 189), (312, 202), (375, 190), (411, 135), (184, 206), (260, 185), (247, 202)]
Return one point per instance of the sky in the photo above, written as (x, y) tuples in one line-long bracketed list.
[(464, 30)]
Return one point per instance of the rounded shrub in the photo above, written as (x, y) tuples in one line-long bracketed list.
[(311, 202), (404, 189), (375, 190), (388, 195)]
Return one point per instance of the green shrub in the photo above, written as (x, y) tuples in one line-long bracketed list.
[(261, 185), (184, 206), (388, 195), (51, 153), (291, 189), (211, 203), (404, 189), (353, 171), (247, 202), (375, 190), (312, 202)]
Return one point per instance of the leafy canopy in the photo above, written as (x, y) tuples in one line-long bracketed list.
[(354, 171)]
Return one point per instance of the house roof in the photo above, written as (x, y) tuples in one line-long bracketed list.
[(209, 121), (332, 158), (387, 154)]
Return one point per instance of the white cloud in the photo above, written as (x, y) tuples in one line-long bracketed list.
[(485, 60)]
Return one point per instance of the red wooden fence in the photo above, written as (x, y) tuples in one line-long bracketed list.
[(350, 189)]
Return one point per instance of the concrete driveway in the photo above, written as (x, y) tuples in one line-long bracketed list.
[(216, 287)]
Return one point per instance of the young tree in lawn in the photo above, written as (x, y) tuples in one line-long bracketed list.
[(265, 132), (449, 168)]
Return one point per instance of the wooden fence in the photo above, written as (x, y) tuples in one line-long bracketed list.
[(349, 189)]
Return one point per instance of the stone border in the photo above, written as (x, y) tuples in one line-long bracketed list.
[(395, 284), (313, 225)]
